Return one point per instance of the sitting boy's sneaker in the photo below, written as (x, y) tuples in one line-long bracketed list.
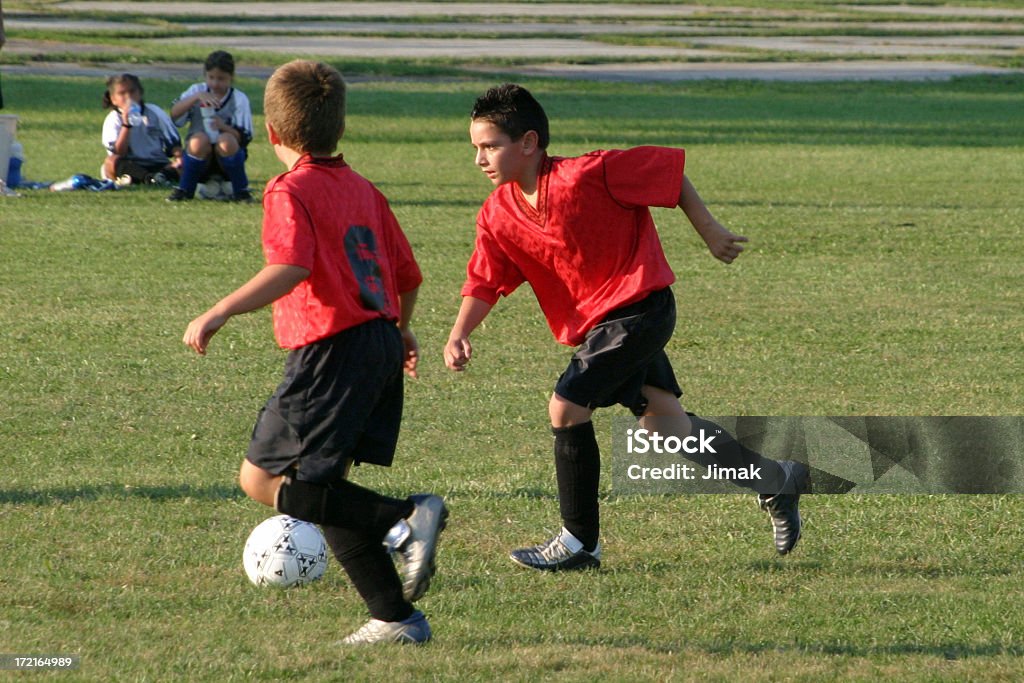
[(179, 195), (784, 508), (561, 553), (418, 548), (244, 197), (415, 631), (160, 179)]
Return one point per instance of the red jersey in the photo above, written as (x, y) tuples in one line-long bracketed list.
[(323, 216), (589, 247)]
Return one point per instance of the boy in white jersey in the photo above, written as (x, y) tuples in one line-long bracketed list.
[(219, 120)]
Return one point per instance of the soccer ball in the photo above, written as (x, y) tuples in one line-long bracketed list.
[(214, 188), (283, 551)]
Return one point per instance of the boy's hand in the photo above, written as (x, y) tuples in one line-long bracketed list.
[(723, 244), (206, 98), (412, 353), (457, 353), (201, 330)]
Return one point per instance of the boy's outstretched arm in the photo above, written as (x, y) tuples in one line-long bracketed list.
[(458, 350), (723, 244), (407, 301), (266, 287)]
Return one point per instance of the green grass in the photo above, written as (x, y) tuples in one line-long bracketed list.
[(883, 277)]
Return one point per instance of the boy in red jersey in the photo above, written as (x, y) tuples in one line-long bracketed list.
[(580, 231), (340, 274)]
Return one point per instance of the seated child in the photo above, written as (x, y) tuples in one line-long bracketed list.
[(219, 122), (142, 146)]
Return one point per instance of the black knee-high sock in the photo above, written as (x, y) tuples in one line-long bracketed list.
[(372, 572), (731, 453), (344, 505), (578, 469)]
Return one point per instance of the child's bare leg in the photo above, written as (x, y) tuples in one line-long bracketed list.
[(664, 414), (226, 145), (780, 483), (110, 166), (259, 484), (199, 146)]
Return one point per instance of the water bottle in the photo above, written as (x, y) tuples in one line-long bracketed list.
[(209, 126), (14, 167), (73, 183), (135, 114)]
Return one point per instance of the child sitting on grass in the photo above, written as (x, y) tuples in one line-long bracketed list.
[(219, 122), (143, 145)]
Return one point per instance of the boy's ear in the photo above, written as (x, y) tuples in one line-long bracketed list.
[(530, 139), (272, 134)]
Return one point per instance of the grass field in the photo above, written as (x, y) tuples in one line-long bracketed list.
[(883, 277)]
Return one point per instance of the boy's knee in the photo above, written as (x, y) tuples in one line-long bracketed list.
[(199, 145), (661, 402), (565, 413), (227, 146), (258, 484)]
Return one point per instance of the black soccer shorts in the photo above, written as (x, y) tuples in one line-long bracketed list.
[(623, 353), (341, 398)]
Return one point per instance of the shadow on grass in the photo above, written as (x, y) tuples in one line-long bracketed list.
[(118, 492), (950, 651)]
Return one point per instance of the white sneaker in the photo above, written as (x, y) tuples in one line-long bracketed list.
[(415, 631)]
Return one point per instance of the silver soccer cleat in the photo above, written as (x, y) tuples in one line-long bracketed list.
[(412, 631), (419, 550)]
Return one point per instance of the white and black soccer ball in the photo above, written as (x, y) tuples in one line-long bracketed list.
[(283, 551), (214, 188)]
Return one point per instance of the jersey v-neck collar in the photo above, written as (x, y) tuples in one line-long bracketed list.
[(536, 215)]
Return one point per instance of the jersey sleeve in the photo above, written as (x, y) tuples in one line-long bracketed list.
[(243, 117), (645, 176), (490, 273), (111, 127), (406, 271), (288, 237), (192, 90), (169, 136)]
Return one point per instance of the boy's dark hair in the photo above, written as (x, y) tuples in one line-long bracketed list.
[(513, 109), (219, 59), (131, 80), (305, 103)]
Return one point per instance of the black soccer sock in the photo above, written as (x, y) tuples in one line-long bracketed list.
[(372, 572), (578, 470), (731, 453), (344, 505)]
